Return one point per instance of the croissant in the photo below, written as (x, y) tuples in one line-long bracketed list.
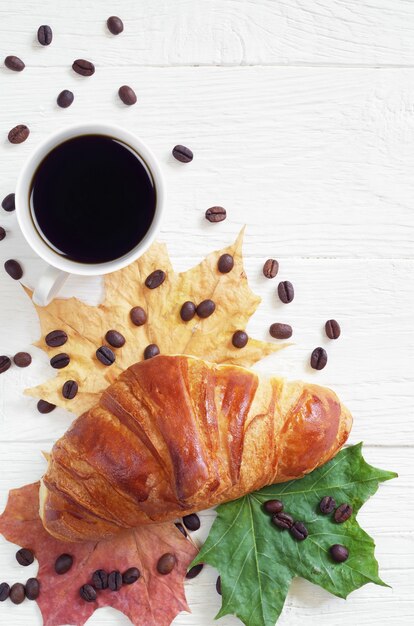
[(174, 435)]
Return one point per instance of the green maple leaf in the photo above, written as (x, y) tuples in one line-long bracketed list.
[(257, 560)]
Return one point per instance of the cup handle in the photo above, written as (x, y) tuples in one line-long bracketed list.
[(48, 286)]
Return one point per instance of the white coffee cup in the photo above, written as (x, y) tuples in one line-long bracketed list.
[(59, 267)]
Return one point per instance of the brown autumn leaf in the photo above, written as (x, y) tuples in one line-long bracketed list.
[(209, 338)]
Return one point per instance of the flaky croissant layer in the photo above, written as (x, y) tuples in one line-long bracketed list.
[(174, 435)]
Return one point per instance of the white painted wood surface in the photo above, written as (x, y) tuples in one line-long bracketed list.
[(301, 117)]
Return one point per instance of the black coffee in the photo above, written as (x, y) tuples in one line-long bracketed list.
[(92, 199)]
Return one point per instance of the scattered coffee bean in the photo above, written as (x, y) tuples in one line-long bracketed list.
[(218, 585), (22, 359), (155, 279), (44, 35), (332, 329), (14, 269), (115, 25), (9, 202), (181, 529), (280, 331), (327, 505), (24, 557), (138, 316), (105, 355), (115, 581), (205, 308), (100, 579), (299, 531), (32, 588), (339, 553), (4, 591), (286, 291), (83, 67), (283, 520), (45, 407), (166, 563), (56, 338), (270, 268), (5, 363), (151, 350), (194, 571), (273, 506), (225, 263), (127, 95), (183, 154), (342, 513), (63, 563), (14, 63), (115, 339), (70, 389), (240, 339), (131, 576), (216, 214), (17, 593), (59, 361), (87, 593), (65, 98), (192, 521), (187, 311), (2, 233), (319, 359), (18, 134)]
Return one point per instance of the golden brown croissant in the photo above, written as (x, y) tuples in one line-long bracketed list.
[(174, 434)]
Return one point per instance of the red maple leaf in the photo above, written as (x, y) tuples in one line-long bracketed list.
[(154, 600)]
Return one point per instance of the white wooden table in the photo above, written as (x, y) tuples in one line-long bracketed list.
[(301, 117)]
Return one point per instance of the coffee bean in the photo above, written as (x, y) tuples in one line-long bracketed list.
[(225, 263), (273, 506), (131, 576), (14, 269), (44, 35), (205, 308), (194, 571), (181, 529), (342, 513), (127, 95), (63, 564), (32, 589), (218, 585), (59, 361), (2, 233), (192, 522), (83, 67), (151, 350), (286, 291), (100, 579), (115, 25), (299, 531), (319, 359), (327, 505), (182, 153), (155, 279), (187, 311), (339, 553), (22, 359), (56, 338), (5, 363), (14, 63), (280, 331), (115, 339), (65, 98), (9, 202), (332, 329), (115, 581), (45, 407), (282, 520), (240, 339), (4, 591), (166, 563), (19, 133), (105, 355), (87, 593), (70, 389), (138, 316), (216, 214), (24, 557), (270, 268), (17, 593)]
